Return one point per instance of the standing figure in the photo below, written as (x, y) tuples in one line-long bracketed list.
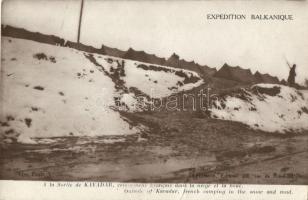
[(292, 74)]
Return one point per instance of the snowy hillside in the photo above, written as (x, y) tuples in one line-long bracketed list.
[(52, 91), (268, 107), (153, 80)]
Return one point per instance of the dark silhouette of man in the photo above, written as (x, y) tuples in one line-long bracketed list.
[(292, 74)]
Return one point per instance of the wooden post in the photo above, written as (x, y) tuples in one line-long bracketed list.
[(80, 19)]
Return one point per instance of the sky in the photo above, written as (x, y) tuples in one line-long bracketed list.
[(161, 28)]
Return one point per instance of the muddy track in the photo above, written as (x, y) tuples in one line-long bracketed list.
[(185, 174), (177, 148)]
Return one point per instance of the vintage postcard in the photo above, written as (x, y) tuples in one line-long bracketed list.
[(151, 93)]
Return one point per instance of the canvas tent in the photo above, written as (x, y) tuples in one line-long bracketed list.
[(21, 33), (112, 51), (235, 73), (143, 57), (175, 61), (265, 78)]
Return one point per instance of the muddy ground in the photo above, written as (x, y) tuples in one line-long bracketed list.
[(179, 147)]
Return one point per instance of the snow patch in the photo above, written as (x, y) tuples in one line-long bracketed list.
[(69, 97), (52, 91), (154, 83), (281, 113)]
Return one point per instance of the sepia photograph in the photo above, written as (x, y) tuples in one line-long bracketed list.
[(154, 91)]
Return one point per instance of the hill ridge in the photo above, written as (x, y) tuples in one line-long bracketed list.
[(173, 61)]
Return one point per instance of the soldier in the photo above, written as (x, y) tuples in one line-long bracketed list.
[(292, 74)]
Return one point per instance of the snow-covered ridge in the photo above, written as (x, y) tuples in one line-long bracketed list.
[(52, 91), (268, 107), (156, 81)]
